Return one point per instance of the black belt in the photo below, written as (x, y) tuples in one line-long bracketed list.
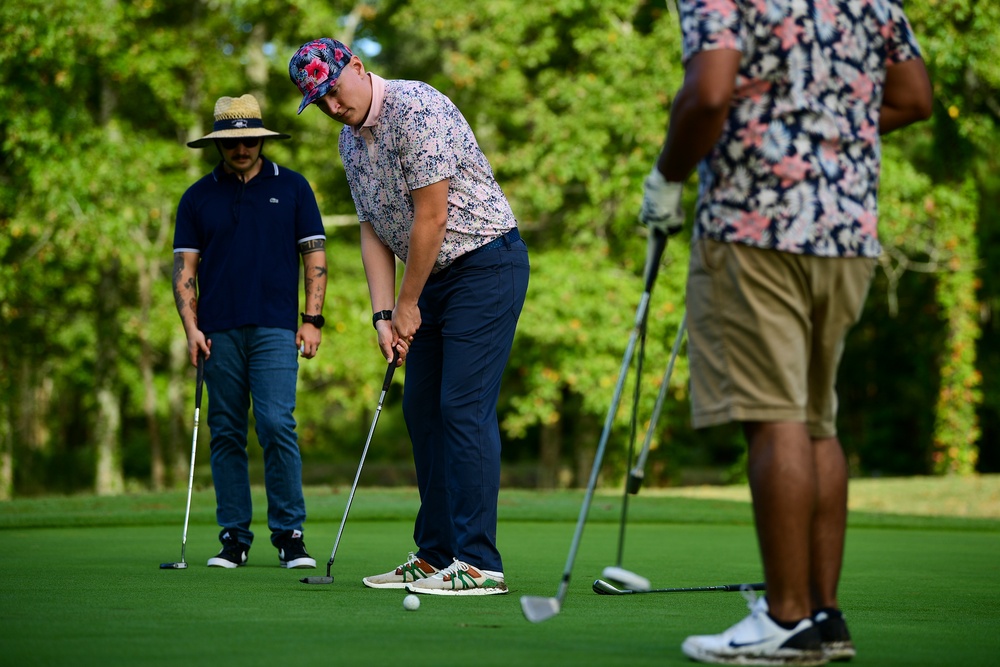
[(506, 240)]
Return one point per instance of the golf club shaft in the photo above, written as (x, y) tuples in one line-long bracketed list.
[(638, 473), (194, 448), (605, 588), (350, 498), (657, 242)]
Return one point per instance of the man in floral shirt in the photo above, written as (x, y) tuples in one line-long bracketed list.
[(781, 110), (426, 194)]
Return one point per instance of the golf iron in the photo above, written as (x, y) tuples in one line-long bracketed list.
[(328, 579), (536, 608), (604, 588), (182, 564)]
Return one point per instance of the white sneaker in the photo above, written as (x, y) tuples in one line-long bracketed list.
[(412, 570), (758, 640), (461, 579)]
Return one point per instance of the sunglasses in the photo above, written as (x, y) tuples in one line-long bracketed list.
[(230, 144)]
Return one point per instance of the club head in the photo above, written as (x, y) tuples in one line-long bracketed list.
[(316, 580), (635, 478), (602, 587), (173, 566), (625, 578), (537, 609)]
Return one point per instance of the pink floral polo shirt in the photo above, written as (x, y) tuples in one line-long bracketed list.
[(797, 166), (413, 137)]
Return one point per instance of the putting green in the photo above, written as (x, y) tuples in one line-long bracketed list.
[(84, 587)]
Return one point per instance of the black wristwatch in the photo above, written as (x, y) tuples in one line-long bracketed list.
[(316, 320), (381, 315)]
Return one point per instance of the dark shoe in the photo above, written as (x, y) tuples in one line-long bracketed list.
[(292, 551), (233, 554), (834, 636)]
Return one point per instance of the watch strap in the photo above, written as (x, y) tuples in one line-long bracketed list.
[(381, 315)]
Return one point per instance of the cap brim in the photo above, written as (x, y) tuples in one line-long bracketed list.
[(316, 93)]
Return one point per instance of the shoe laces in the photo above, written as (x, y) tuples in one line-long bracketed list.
[(454, 568), (756, 605), (410, 559)]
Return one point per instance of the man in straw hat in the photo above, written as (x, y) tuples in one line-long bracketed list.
[(240, 231), (425, 193)]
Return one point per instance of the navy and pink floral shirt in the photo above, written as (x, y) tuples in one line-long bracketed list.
[(415, 136), (797, 166)]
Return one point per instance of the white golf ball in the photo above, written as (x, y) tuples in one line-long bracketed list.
[(411, 602)]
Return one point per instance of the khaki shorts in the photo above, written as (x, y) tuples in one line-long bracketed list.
[(766, 333)]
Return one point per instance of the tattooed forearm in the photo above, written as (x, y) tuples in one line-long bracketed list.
[(185, 290), (315, 281)]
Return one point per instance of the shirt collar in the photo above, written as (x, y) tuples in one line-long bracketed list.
[(378, 97)]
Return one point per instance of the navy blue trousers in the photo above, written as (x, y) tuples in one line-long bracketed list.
[(468, 312)]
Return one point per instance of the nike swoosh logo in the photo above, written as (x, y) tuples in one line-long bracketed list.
[(733, 644)]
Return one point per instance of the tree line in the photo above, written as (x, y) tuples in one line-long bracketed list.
[(569, 100)]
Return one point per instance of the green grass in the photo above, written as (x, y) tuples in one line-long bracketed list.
[(80, 584)]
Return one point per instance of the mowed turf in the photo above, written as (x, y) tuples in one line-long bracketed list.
[(80, 585)]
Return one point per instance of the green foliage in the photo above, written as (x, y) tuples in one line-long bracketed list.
[(569, 100)]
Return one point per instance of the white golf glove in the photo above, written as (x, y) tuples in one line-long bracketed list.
[(661, 203)]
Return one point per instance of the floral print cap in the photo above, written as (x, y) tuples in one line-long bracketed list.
[(316, 66)]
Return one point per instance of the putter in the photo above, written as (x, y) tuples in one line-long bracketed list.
[(182, 564), (604, 588), (537, 608), (328, 579), (616, 573), (638, 473)]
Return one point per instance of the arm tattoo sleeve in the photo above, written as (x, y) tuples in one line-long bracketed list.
[(312, 245)]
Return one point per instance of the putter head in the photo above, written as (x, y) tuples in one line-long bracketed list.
[(537, 609), (173, 566), (602, 587), (316, 580), (625, 578)]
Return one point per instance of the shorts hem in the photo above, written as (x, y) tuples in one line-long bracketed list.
[(744, 414)]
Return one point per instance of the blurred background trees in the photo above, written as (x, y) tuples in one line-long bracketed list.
[(569, 100)]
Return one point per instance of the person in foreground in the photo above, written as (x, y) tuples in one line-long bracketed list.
[(425, 193), (781, 110), (239, 234)]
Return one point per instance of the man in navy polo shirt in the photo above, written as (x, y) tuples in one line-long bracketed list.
[(240, 231)]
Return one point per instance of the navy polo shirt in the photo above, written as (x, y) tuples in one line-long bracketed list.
[(248, 237)]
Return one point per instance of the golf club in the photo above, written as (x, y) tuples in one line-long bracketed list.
[(328, 579), (182, 564), (638, 473), (633, 482), (604, 588), (536, 608)]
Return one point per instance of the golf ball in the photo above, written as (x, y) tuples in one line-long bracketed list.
[(411, 602)]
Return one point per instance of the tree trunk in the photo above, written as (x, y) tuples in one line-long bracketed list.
[(549, 451), (110, 478), (6, 453)]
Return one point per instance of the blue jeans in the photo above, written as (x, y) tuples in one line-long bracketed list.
[(453, 370), (261, 364)]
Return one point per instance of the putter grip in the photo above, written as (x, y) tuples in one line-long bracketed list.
[(200, 380), (655, 246), (390, 370)]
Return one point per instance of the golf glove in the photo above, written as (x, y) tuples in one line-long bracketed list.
[(661, 204)]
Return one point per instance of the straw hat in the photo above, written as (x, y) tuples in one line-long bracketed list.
[(236, 117)]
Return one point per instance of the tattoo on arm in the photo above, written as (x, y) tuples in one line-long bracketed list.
[(312, 245)]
